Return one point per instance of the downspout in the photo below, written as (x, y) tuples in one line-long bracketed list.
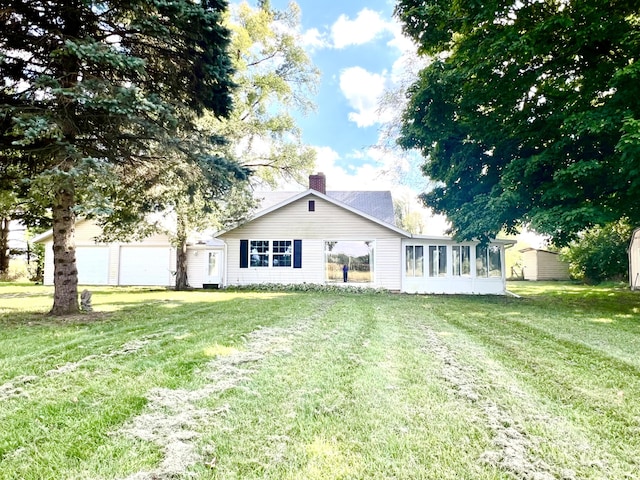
[(225, 268)]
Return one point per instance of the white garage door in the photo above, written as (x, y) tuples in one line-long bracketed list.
[(145, 266), (93, 265)]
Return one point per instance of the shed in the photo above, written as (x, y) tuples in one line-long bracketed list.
[(538, 265), (634, 260)]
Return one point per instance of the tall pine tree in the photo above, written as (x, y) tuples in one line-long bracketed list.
[(103, 86)]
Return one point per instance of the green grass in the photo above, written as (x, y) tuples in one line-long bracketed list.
[(321, 385)]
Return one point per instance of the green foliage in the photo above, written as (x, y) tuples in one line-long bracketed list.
[(527, 114), (96, 94), (600, 253), (275, 77), (306, 287)]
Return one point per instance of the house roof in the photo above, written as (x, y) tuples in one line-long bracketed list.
[(371, 205), (500, 241), (529, 249), (377, 204)]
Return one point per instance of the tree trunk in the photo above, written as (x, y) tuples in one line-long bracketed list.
[(65, 273), (4, 245), (181, 264)]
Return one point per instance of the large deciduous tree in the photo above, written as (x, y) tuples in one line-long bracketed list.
[(529, 112), (275, 78), (103, 86)]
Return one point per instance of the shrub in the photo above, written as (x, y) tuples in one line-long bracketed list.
[(600, 253)]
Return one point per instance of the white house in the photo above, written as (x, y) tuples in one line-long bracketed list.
[(634, 260), (303, 237)]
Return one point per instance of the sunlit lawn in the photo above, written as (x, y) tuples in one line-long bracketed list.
[(318, 385)]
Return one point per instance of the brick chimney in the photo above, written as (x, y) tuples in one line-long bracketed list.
[(318, 182)]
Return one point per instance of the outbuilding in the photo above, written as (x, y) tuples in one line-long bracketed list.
[(539, 265)]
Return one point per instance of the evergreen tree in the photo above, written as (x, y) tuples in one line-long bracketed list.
[(99, 88)]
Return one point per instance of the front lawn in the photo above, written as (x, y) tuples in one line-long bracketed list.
[(159, 384)]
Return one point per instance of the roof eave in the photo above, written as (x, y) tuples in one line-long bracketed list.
[(323, 197)]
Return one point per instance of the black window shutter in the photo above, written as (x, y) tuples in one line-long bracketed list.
[(244, 253), (297, 254)]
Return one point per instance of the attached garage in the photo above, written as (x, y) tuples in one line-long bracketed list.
[(146, 265), (150, 261), (93, 265)]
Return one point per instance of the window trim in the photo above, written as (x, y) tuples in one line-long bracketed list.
[(438, 257), (411, 272), (295, 253)]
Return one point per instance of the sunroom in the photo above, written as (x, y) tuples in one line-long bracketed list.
[(441, 265)]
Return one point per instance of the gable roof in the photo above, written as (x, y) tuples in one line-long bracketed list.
[(377, 204), (371, 206)]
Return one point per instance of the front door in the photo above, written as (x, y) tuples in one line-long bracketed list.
[(213, 267)]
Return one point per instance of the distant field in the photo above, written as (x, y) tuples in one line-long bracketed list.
[(158, 384)]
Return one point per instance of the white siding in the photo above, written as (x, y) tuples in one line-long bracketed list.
[(48, 263), (449, 283), (550, 267), (197, 264), (195, 267), (86, 233), (530, 265), (327, 222), (634, 260), (543, 265)]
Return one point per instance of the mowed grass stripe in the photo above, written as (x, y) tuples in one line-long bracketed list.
[(592, 394), (359, 385), (357, 398), (64, 423)]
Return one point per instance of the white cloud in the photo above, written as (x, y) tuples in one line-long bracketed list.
[(363, 90), (399, 40), (366, 26), (313, 39)]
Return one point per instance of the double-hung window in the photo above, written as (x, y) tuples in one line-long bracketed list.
[(270, 253), (274, 253), (281, 253), (259, 250)]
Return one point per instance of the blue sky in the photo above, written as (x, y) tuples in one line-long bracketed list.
[(359, 48), (357, 45)]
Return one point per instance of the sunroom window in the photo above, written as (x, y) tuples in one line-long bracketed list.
[(437, 260), (461, 260), (414, 266), (488, 261)]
